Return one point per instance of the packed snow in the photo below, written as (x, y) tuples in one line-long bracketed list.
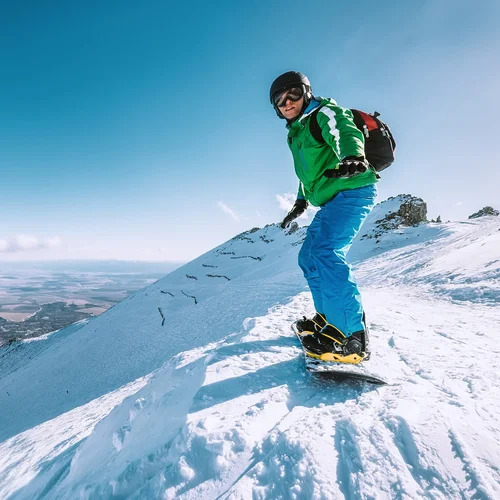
[(195, 386)]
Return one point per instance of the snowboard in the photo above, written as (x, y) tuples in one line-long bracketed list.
[(338, 371)]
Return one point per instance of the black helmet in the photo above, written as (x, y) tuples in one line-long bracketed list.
[(287, 80)]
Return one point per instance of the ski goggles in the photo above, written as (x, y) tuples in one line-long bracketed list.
[(293, 94)]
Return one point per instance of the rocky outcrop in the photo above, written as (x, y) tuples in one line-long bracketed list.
[(412, 211), (485, 211), (396, 212), (293, 228), (246, 235)]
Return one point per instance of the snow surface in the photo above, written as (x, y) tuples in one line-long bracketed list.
[(195, 386)]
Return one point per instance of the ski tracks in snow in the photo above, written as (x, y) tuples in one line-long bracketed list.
[(241, 418), (455, 392)]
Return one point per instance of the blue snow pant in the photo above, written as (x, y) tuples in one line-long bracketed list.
[(322, 257)]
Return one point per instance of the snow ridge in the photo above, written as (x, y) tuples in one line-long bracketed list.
[(210, 398)]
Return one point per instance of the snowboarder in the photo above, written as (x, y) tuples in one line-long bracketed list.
[(335, 177)]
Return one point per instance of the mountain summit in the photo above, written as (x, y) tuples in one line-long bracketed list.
[(195, 386)]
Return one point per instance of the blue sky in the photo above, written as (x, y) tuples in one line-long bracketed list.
[(142, 130)]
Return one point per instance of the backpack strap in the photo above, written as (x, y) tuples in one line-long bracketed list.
[(314, 127)]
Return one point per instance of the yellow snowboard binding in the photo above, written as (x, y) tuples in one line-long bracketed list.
[(352, 359), (330, 344)]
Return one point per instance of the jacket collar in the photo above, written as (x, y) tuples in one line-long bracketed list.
[(313, 104)]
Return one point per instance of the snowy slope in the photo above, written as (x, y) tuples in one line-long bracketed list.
[(215, 402)]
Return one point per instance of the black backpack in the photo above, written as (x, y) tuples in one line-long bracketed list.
[(379, 142)]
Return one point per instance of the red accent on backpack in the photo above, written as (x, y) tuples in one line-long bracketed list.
[(369, 120)]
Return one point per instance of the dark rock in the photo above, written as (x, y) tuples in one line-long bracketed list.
[(485, 211), (244, 235), (411, 211)]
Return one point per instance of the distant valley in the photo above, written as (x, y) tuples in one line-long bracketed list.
[(40, 298)]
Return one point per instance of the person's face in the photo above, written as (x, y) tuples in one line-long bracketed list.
[(290, 103)]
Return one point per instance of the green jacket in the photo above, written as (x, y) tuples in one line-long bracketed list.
[(311, 159)]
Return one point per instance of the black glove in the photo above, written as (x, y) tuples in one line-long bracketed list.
[(349, 166), (297, 210)]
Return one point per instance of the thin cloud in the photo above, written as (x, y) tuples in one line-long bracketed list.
[(228, 210), (286, 202), (25, 242)]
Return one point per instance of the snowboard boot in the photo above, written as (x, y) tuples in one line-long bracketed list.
[(307, 326), (366, 339), (330, 344)]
